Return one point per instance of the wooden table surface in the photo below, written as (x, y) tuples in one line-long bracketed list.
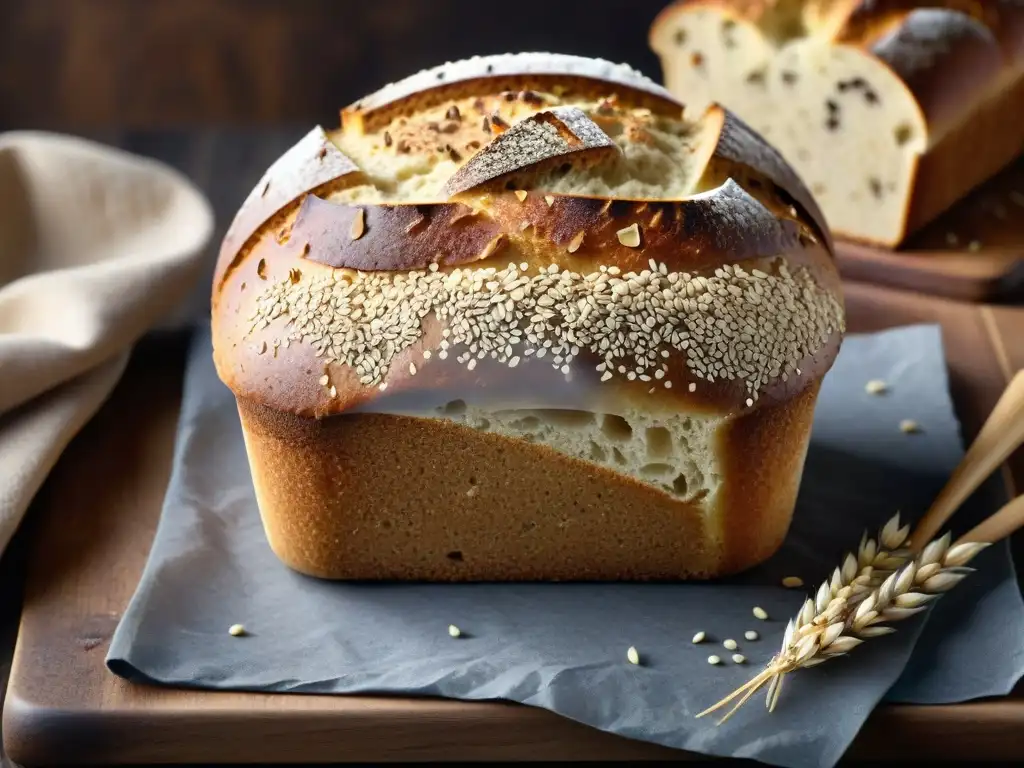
[(225, 164), (64, 707)]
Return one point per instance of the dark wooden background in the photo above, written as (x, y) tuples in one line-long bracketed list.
[(86, 65)]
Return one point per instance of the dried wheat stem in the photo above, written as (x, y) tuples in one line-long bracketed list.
[(882, 584)]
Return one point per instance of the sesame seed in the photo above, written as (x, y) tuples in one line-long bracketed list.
[(633, 655), (729, 645), (629, 236), (521, 194), (358, 225), (236, 630), (454, 631), (699, 637), (334, 391), (325, 380), (412, 369), (875, 387), (909, 426), (549, 200), (760, 613), (739, 658), (713, 660), (426, 354), (750, 634), (792, 582), (576, 242)]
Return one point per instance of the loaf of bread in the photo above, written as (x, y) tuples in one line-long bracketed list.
[(518, 319), (889, 110)]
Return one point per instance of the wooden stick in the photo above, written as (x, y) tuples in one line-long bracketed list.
[(1001, 435), (1007, 521)]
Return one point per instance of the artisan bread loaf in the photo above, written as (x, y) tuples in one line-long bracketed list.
[(517, 318), (890, 110)]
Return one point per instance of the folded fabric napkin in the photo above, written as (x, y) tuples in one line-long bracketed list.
[(563, 647), (96, 247)]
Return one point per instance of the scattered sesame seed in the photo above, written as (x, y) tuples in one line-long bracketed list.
[(576, 242), (909, 426), (236, 630), (751, 635), (325, 380), (792, 582), (693, 386), (521, 194), (454, 631), (549, 200), (729, 645), (412, 369), (875, 387), (712, 659), (334, 391), (750, 402), (739, 658), (760, 613), (629, 236), (426, 354), (699, 637), (633, 656)]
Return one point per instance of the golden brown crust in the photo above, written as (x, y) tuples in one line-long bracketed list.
[(354, 309), (574, 75), (357, 497), (313, 163)]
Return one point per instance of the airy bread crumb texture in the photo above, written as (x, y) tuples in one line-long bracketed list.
[(411, 159), (676, 454)]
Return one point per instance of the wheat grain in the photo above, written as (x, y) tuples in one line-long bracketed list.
[(881, 584)]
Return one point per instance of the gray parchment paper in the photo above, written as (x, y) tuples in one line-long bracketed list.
[(563, 646)]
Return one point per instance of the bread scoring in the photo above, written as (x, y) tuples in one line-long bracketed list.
[(890, 110), (534, 261)]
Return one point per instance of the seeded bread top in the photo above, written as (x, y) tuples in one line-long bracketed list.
[(491, 223)]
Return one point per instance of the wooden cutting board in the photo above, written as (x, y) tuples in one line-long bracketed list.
[(95, 520), (974, 252)]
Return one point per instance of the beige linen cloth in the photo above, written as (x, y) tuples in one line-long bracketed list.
[(97, 247)]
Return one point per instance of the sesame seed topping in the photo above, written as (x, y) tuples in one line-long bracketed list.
[(633, 656), (632, 322), (576, 242), (549, 199), (729, 645), (630, 236), (751, 634), (713, 660), (739, 658), (454, 631), (792, 582), (325, 380), (236, 630), (699, 637), (760, 613), (521, 194), (412, 369)]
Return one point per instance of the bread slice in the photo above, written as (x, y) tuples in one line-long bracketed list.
[(548, 328), (890, 111)]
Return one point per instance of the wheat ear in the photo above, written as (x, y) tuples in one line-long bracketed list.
[(881, 585)]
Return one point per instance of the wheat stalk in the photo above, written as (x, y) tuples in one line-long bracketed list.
[(881, 584)]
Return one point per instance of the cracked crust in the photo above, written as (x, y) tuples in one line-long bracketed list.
[(586, 197)]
